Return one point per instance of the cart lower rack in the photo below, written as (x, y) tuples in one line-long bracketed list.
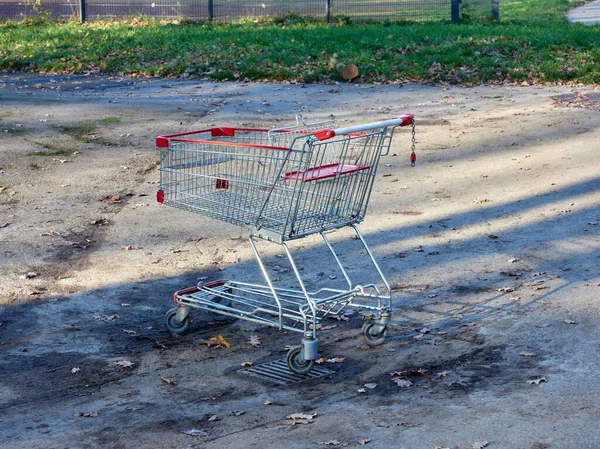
[(281, 184)]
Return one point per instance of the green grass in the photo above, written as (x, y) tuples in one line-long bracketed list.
[(55, 150), (109, 120), (532, 42)]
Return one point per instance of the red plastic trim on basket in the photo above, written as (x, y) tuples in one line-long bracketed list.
[(230, 144), (324, 172), (196, 288), (163, 141)]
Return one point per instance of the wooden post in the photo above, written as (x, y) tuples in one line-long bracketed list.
[(327, 11), (211, 10), (82, 11), (496, 9), (455, 9)]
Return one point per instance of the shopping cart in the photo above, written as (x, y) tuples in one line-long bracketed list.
[(280, 184)]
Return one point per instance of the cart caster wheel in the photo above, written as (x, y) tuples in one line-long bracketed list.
[(373, 340), (216, 316), (175, 326), (296, 362)]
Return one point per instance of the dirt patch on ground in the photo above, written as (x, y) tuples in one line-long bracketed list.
[(491, 244)]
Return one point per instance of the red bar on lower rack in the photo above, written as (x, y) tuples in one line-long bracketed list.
[(324, 172)]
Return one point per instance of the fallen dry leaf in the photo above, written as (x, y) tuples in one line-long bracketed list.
[(128, 248), (328, 327), (332, 443), (402, 383), (111, 199), (536, 381), (418, 249), (506, 289), (480, 445), (125, 364), (527, 354), (154, 261), (255, 341), (364, 441), (570, 322), (213, 418), (106, 317), (332, 360), (75, 370), (3, 188), (195, 432), (93, 414), (216, 342), (362, 390), (4, 225), (30, 275), (370, 386), (247, 364), (169, 381), (442, 374), (301, 418)]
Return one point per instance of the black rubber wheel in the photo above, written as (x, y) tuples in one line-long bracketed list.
[(175, 326), (373, 340), (216, 316), (296, 362)]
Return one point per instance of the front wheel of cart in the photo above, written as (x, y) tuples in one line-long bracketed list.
[(296, 363), (374, 340), (173, 324)]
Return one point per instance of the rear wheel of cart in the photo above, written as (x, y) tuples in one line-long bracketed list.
[(173, 324), (373, 340), (296, 363), (216, 316)]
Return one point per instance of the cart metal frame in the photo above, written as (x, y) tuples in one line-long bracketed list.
[(281, 184)]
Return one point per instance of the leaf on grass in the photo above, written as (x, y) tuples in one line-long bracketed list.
[(195, 432), (169, 381), (93, 414), (255, 341), (527, 354), (570, 322), (536, 381), (125, 364), (332, 443), (364, 441)]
